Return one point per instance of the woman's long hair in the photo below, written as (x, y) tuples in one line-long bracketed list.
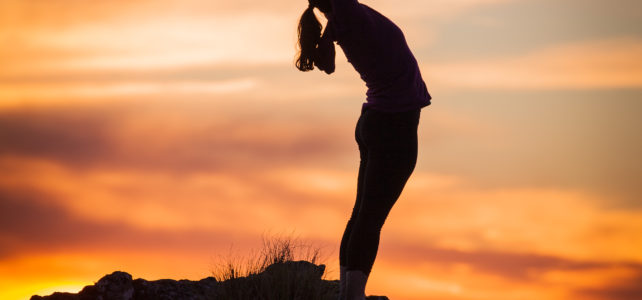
[(309, 35)]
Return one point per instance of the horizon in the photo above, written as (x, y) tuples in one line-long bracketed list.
[(153, 136)]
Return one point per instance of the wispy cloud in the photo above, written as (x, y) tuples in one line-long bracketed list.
[(93, 92), (623, 288), (604, 64), (33, 223), (204, 136)]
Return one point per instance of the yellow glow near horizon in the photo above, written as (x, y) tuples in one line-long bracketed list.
[(24, 291)]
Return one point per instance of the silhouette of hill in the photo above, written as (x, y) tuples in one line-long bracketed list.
[(282, 280), (271, 274)]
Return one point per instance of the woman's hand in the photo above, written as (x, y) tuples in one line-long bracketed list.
[(325, 54)]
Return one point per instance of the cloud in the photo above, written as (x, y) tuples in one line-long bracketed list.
[(518, 27), (510, 265), (545, 139), (68, 136), (195, 137), (163, 34), (623, 289), (136, 44), (529, 220), (440, 9), (605, 64), (93, 92), (236, 201), (445, 273), (265, 85), (31, 222)]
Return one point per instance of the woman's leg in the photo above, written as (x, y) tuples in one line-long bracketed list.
[(363, 153), (343, 257), (391, 143)]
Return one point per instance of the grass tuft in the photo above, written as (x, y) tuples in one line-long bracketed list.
[(284, 269)]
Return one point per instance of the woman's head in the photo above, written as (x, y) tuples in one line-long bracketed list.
[(309, 32)]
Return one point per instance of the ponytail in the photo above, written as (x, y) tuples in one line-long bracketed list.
[(309, 35)]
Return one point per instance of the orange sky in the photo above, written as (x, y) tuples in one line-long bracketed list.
[(152, 136)]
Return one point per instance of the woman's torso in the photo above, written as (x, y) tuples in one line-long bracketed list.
[(378, 51)]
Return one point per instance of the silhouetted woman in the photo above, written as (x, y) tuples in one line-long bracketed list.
[(387, 128)]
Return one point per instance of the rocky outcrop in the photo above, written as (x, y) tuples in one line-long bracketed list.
[(287, 280)]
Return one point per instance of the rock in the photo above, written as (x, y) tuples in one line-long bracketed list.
[(291, 280), (115, 286), (120, 286), (297, 269), (57, 296)]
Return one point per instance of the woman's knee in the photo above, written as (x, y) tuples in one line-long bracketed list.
[(371, 218)]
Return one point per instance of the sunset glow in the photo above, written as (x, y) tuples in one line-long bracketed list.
[(154, 136)]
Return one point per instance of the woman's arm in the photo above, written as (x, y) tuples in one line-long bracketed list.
[(325, 53)]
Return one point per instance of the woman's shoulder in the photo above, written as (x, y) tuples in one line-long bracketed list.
[(356, 25), (350, 16)]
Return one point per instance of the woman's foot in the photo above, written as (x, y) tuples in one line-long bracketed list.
[(356, 285), (342, 282)]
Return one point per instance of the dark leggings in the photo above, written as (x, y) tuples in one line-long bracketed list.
[(388, 147)]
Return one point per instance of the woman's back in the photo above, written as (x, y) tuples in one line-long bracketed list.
[(378, 51)]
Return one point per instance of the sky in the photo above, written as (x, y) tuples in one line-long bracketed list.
[(155, 136)]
